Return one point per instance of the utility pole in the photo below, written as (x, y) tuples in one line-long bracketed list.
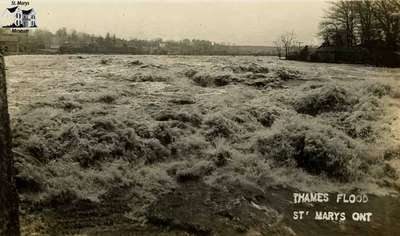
[(9, 222), (300, 43)]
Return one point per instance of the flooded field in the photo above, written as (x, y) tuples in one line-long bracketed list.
[(183, 145)]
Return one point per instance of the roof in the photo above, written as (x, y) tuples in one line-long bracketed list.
[(12, 9), (27, 12)]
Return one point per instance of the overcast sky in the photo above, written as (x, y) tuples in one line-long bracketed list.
[(251, 22)]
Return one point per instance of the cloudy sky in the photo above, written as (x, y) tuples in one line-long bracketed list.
[(251, 22)]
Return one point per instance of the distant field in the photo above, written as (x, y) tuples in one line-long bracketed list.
[(112, 142), (253, 50)]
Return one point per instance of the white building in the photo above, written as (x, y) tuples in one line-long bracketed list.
[(15, 17), (29, 18)]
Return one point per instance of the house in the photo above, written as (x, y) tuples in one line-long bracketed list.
[(29, 18), (15, 17)]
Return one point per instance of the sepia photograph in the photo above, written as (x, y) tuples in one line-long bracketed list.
[(200, 117)]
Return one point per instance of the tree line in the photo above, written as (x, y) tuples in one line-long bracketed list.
[(365, 23), (71, 41), (353, 31)]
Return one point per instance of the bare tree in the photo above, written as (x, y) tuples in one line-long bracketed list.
[(366, 22), (339, 23), (9, 223), (278, 47), (386, 12), (287, 41)]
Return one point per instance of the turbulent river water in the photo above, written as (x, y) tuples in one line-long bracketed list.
[(181, 145)]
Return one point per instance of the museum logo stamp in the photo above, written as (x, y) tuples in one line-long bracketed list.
[(19, 16)]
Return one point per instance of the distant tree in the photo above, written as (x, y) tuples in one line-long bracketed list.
[(287, 41), (114, 40), (278, 47), (62, 35), (73, 36), (108, 40), (41, 38)]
